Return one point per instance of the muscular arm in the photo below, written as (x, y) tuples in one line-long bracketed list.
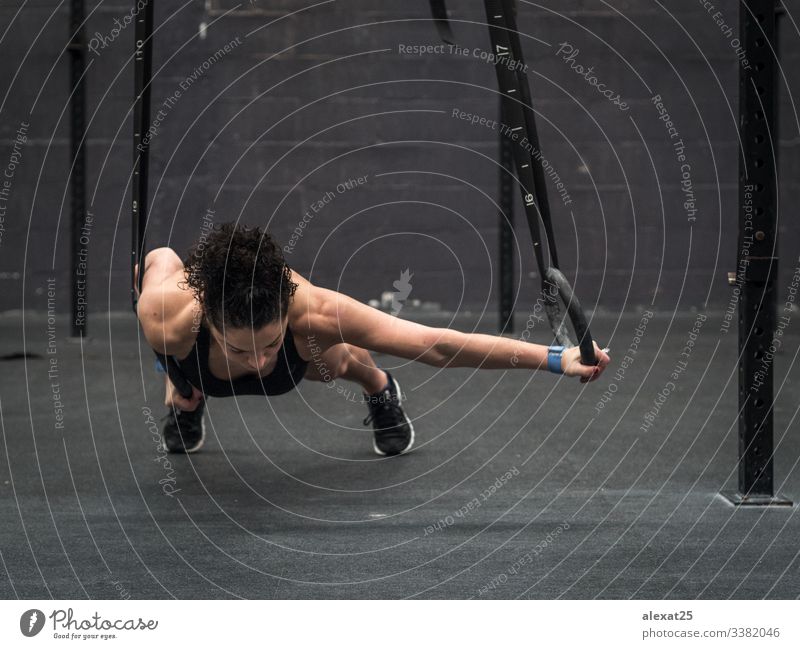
[(166, 312), (343, 319)]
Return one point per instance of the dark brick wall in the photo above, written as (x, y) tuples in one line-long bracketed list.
[(311, 99)]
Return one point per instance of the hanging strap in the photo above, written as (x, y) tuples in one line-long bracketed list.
[(521, 130), (439, 11), (142, 76), (516, 128), (519, 80)]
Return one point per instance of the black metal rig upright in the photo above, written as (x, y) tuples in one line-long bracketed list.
[(77, 69), (757, 251)]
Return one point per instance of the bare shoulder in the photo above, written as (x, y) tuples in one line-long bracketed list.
[(170, 315), (304, 309), (329, 317), (323, 314)]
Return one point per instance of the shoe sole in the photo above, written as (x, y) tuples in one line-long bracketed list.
[(194, 448), (408, 421)]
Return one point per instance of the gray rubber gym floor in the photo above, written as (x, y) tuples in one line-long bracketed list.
[(518, 485)]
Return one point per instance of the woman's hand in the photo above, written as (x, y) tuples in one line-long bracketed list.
[(174, 399), (571, 363)]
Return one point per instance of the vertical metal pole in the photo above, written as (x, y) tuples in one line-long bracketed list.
[(77, 67), (142, 74), (758, 252), (506, 232)]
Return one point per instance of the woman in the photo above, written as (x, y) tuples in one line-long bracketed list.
[(239, 321)]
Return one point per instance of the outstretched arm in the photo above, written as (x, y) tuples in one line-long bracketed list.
[(340, 318)]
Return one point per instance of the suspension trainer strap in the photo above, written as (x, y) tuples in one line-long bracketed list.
[(439, 11), (516, 128), (521, 130), (142, 76), (576, 315), (540, 185)]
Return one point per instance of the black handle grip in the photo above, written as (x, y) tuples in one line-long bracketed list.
[(576, 315)]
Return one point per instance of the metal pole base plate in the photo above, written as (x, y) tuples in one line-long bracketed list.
[(756, 500)]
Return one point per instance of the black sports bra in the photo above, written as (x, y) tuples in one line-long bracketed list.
[(289, 371)]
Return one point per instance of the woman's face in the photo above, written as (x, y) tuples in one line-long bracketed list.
[(248, 348)]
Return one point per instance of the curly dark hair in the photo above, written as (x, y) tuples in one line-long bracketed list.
[(240, 277)]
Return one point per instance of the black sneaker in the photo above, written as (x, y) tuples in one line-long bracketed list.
[(394, 433), (183, 431)]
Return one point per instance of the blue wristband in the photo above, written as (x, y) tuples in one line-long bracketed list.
[(159, 367), (554, 358)]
